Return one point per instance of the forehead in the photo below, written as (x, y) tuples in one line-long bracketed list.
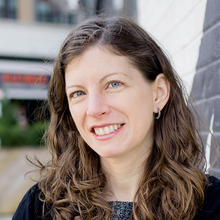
[(98, 60), (106, 50)]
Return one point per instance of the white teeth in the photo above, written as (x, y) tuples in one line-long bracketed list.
[(101, 131), (111, 128), (97, 131), (107, 129)]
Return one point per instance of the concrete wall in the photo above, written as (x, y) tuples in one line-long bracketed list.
[(178, 26), (32, 40), (190, 32)]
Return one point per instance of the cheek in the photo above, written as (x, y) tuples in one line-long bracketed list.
[(76, 116), (142, 112)]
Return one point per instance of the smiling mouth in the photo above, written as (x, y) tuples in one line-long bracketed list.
[(107, 129)]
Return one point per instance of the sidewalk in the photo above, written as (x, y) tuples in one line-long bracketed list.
[(5, 217), (14, 177)]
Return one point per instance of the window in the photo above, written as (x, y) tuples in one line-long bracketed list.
[(74, 11), (8, 9), (56, 11)]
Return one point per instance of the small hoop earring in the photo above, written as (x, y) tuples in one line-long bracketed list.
[(158, 114)]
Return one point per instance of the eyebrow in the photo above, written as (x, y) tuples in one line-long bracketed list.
[(102, 79), (112, 74), (71, 86)]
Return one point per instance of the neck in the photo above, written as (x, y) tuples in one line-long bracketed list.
[(123, 176)]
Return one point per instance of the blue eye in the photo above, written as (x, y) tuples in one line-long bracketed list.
[(114, 84), (77, 94)]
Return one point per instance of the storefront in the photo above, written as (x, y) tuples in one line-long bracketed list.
[(25, 83)]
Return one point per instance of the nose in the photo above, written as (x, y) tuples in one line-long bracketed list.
[(97, 106)]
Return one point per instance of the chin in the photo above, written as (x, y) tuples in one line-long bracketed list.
[(108, 154)]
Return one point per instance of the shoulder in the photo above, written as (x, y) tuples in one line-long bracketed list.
[(210, 209), (213, 188), (30, 208)]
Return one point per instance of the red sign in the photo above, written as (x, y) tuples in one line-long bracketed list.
[(22, 78)]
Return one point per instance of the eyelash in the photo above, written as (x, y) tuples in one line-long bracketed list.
[(118, 82), (72, 95)]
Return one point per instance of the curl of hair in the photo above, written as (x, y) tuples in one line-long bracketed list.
[(173, 183)]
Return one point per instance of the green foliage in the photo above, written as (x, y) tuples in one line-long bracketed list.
[(36, 133), (13, 135), (8, 111)]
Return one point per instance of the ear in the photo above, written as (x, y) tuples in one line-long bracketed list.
[(161, 92)]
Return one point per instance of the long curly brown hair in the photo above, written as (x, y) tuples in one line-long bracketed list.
[(173, 183)]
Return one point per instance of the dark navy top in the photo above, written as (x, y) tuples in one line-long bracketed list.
[(30, 208)]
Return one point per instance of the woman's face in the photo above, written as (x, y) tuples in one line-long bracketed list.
[(110, 102)]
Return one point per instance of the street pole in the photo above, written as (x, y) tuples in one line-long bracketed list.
[(0, 117)]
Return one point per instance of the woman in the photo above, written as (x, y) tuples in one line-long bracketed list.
[(122, 137)]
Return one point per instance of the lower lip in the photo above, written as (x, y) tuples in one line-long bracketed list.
[(107, 136)]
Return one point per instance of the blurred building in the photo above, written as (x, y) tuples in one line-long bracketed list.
[(31, 34)]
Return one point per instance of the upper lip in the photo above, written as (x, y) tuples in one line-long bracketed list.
[(104, 125)]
